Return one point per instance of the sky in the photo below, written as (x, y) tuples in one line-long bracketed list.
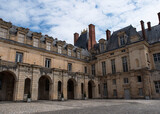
[(62, 18)]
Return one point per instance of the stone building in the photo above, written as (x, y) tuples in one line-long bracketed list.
[(125, 65)]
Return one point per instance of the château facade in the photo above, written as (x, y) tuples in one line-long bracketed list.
[(125, 65)]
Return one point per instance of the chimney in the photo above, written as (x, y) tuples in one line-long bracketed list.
[(159, 17), (108, 34), (143, 30), (92, 40), (76, 36), (149, 26)]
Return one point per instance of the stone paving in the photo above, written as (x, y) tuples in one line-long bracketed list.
[(82, 107)]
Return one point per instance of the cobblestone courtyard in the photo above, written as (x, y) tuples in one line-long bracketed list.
[(82, 107)]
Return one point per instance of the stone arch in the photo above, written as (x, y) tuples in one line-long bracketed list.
[(71, 88), (27, 86), (44, 87), (91, 89), (7, 85)]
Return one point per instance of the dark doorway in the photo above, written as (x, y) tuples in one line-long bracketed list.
[(43, 90), (70, 89), (90, 88), (27, 86), (6, 86)]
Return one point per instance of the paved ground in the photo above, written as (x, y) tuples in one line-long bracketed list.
[(82, 107)]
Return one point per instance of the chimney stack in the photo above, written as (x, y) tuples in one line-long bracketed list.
[(149, 26), (92, 39), (76, 36), (159, 17), (108, 34), (143, 30)]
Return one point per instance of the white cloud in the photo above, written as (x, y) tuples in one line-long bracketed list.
[(61, 18)]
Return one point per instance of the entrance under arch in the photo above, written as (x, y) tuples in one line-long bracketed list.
[(70, 89), (90, 89), (7, 82), (27, 86), (43, 88)]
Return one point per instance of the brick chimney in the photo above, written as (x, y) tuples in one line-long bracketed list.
[(92, 39), (76, 36), (108, 34), (143, 30), (149, 25), (159, 17)]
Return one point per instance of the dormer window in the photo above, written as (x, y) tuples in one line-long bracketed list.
[(21, 38), (69, 52), (102, 47), (78, 55), (122, 41), (3, 33), (35, 42), (60, 49), (48, 46)]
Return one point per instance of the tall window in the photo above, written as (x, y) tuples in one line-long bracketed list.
[(48, 46), (69, 52), (102, 47), (85, 69), (48, 63), (78, 55), (113, 66), (114, 92), (157, 86), (3, 33), (125, 65), (139, 78), (21, 38), (104, 68), (157, 60), (140, 92), (60, 49), (19, 57), (122, 41), (114, 81), (35, 42), (93, 69), (69, 67), (125, 80)]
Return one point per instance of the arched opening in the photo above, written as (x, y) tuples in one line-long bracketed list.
[(70, 89), (27, 86), (43, 88), (90, 89), (7, 82), (59, 89)]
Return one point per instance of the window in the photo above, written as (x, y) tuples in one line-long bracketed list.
[(93, 69), (48, 63), (104, 68), (157, 86), (19, 57), (113, 66), (47, 85), (69, 52), (114, 81), (111, 53), (35, 42), (114, 92), (122, 41), (78, 55), (60, 49), (48, 46), (99, 89), (157, 60), (125, 80), (125, 65), (139, 79), (123, 50), (102, 47), (3, 33), (69, 67), (85, 69), (140, 92), (105, 92), (21, 38), (147, 57), (82, 88), (0, 84)]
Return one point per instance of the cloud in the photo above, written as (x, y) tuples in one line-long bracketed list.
[(61, 18)]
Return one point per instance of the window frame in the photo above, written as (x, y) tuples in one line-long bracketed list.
[(70, 67), (125, 80), (125, 64), (19, 57), (113, 66), (47, 63), (103, 68), (93, 69)]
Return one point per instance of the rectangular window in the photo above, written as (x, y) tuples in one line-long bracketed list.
[(139, 78), (0, 84), (48, 46), (69, 52), (93, 69), (78, 55), (114, 92), (21, 38), (105, 92), (125, 80), (60, 49), (99, 89), (140, 92), (3, 33), (147, 57), (157, 60), (157, 86), (125, 64), (35, 42), (113, 66), (85, 69), (19, 57), (114, 81), (69, 67), (48, 63), (102, 47), (104, 68), (122, 41)]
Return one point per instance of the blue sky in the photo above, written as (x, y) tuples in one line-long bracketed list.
[(61, 18)]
